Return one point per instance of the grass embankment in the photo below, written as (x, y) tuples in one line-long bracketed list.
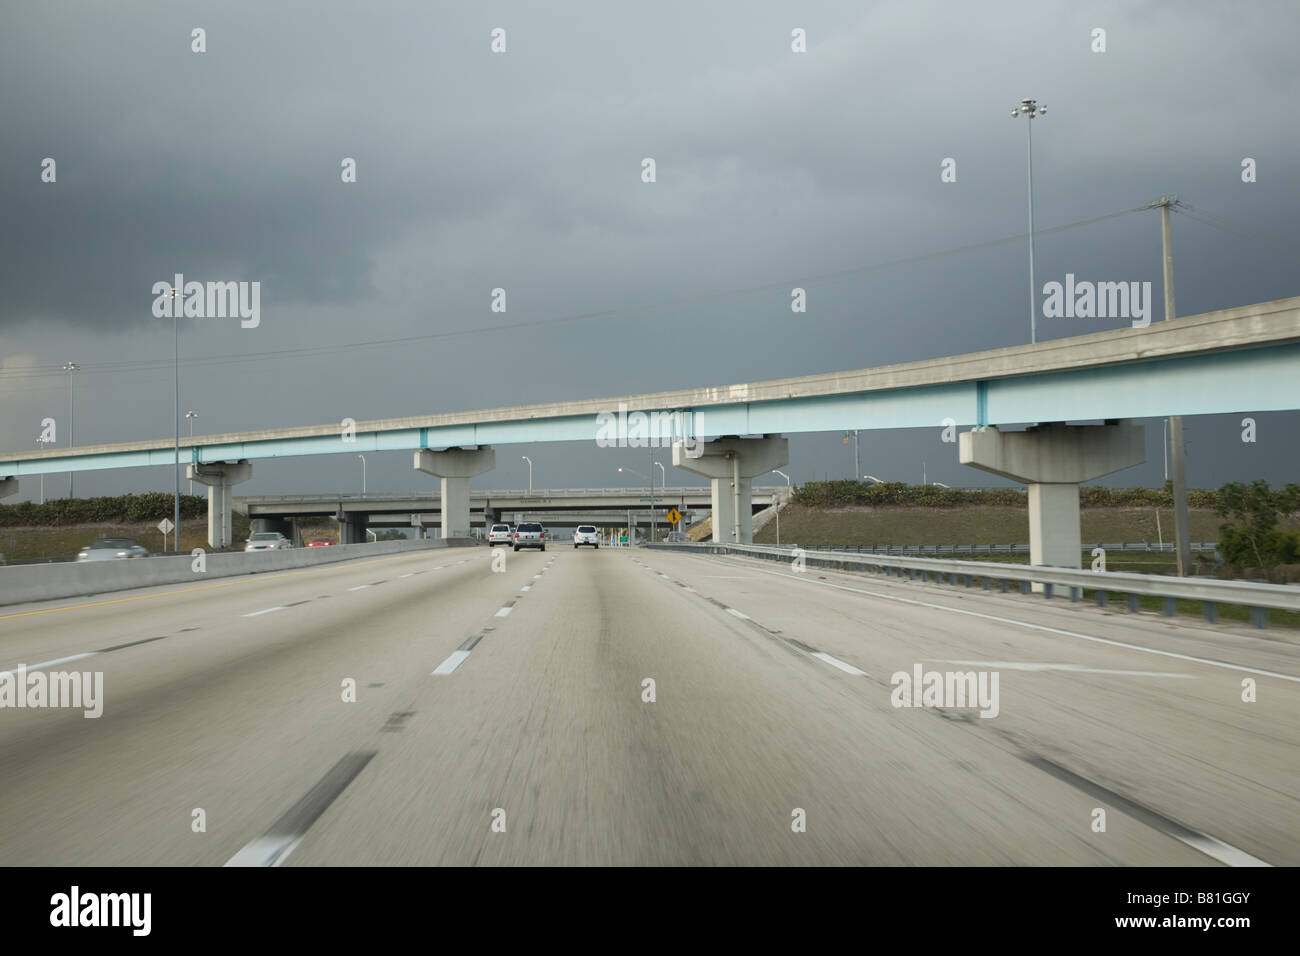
[(63, 542), (968, 524)]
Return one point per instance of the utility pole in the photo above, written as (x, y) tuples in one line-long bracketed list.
[(71, 368), (1182, 533)]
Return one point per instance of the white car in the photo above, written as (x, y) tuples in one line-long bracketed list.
[(586, 534), (111, 549), (267, 541), (500, 534)]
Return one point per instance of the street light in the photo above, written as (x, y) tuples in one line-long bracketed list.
[(191, 415), (1031, 109), (939, 483), (43, 442), (363, 475), (71, 369), (530, 472), (176, 408), (874, 478)]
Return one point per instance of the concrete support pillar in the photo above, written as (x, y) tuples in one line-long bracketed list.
[(731, 464), (352, 529), (8, 486), (219, 476), (1052, 460), (455, 466)]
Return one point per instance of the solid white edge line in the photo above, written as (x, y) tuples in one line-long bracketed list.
[(1038, 627), (278, 607), (359, 587), (743, 617), (836, 662), (504, 612), (454, 660)]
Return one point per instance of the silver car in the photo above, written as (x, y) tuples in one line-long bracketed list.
[(111, 549), (267, 541)]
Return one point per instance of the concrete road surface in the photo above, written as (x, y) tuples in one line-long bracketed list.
[(639, 707)]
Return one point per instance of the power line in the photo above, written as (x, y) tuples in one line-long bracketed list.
[(245, 358)]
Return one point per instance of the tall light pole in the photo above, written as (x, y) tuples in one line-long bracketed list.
[(1031, 109), (43, 442), (176, 296), (191, 415), (874, 478), (71, 369), (363, 475), (1182, 533), (530, 473)]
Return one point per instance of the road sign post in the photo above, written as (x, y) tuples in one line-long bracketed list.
[(166, 526)]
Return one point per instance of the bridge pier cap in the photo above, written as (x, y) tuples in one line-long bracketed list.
[(1051, 460), (455, 466), (731, 463), (219, 476)]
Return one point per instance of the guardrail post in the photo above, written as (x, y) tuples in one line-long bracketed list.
[(1211, 611), (1133, 603), (986, 582), (1171, 607), (1259, 616), (1048, 590), (1103, 598), (1024, 587), (1075, 594)]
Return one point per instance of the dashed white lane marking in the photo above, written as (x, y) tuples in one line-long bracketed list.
[(526, 587), (265, 851), (537, 577), (274, 846), (407, 575), (504, 612), (1074, 668), (1038, 627), (57, 660), (836, 662), (1223, 852), (359, 587), (278, 607), (743, 617), (454, 660), (691, 590)]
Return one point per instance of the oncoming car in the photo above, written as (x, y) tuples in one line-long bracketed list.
[(500, 534), (586, 534), (267, 541), (111, 549)]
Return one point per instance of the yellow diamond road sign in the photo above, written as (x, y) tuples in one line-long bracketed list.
[(674, 516)]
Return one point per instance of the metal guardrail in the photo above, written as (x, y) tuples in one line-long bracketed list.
[(1210, 592), (1167, 547)]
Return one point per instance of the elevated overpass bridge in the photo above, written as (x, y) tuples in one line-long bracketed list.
[(1244, 359), (606, 507)]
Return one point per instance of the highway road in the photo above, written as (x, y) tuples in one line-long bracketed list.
[(502, 718)]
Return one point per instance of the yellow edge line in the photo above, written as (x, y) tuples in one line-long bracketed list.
[(205, 587)]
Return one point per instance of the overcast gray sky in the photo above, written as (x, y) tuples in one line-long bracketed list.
[(522, 170)]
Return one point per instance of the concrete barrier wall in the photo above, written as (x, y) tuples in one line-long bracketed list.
[(48, 582)]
